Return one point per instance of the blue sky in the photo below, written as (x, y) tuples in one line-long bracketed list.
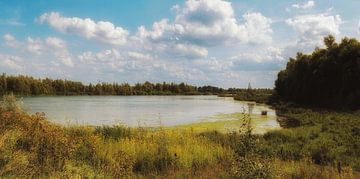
[(201, 42)]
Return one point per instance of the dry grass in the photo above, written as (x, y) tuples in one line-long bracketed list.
[(306, 169), (31, 147)]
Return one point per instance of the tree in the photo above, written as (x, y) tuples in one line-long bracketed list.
[(329, 77)]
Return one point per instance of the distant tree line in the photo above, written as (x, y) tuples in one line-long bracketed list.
[(259, 95), (29, 86), (329, 77)]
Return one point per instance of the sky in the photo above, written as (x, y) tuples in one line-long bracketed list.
[(200, 42)]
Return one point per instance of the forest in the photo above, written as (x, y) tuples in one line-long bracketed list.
[(328, 77), (260, 95), (29, 86)]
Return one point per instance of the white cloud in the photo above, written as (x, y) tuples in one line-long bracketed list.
[(103, 60), (258, 28), (316, 24), (224, 47), (10, 61), (11, 41), (101, 56), (307, 5), (56, 43), (51, 46), (358, 29), (9, 37), (270, 54), (311, 29), (200, 24), (161, 39), (102, 31), (139, 56), (188, 50), (108, 54), (59, 48), (213, 64), (213, 22), (210, 22), (35, 46), (12, 22)]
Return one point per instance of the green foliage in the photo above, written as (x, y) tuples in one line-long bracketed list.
[(9, 103), (26, 86), (113, 132), (329, 77), (30, 146), (305, 168), (325, 137), (251, 166), (249, 159), (256, 95)]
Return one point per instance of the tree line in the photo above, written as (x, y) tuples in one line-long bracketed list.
[(260, 95), (30, 86), (328, 77)]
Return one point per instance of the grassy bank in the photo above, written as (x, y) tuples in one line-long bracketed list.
[(30, 146), (327, 137), (228, 123)]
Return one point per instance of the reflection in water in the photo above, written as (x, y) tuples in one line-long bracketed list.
[(250, 107), (137, 110)]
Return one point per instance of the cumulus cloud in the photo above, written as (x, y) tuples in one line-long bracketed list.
[(197, 25), (212, 22), (101, 56), (11, 41), (312, 28), (11, 62), (104, 60), (35, 46), (59, 48), (102, 31), (316, 24), (187, 50), (51, 46), (56, 43), (213, 64), (270, 54), (209, 23), (205, 42), (307, 5), (268, 59), (139, 56), (200, 24)]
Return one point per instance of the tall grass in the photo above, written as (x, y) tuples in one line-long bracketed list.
[(326, 137), (32, 147)]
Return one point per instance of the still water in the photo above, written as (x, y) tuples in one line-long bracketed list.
[(136, 110)]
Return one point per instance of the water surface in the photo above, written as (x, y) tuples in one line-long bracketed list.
[(138, 110)]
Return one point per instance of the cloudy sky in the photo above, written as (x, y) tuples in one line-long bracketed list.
[(201, 42)]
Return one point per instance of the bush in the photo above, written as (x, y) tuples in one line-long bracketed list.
[(251, 166), (325, 137), (30, 146)]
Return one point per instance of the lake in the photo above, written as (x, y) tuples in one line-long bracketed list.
[(140, 110)]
